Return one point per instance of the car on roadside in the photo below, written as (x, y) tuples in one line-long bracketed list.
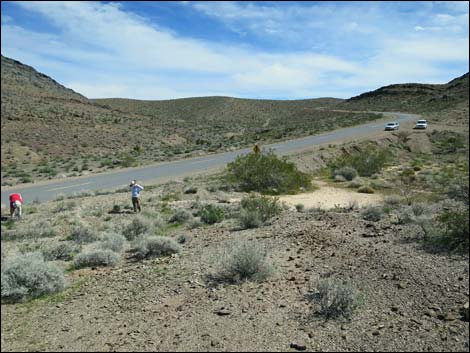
[(421, 124), (392, 126)]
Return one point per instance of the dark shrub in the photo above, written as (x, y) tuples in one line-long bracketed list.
[(211, 214), (267, 173)]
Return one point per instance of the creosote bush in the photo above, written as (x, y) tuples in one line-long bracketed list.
[(242, 260), (367, 162), (267, 173), (28, 276)]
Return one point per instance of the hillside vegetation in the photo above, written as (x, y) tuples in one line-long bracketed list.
[(50, 131)]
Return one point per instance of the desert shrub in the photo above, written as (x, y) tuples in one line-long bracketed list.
[(42, 229), (112, 241), (137, 227), (181, 216), (60, 251), (211, 214), (183, 238), (453, 232), (339, 179), (96, 257), (418, 209), (355, 183), (300, 207), (256, 210), (266, 173), (194, 223), (83, 234), (116, 209), (366, 190), (154, 246), (65, 206), (242, 260), (372, 213), (250, 219), (405, 215), (366, 162), (191, 190), (347, 173), (334, 298), (28, 276), (392, 200)]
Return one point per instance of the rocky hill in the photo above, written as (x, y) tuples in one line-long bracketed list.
[(412, 97)]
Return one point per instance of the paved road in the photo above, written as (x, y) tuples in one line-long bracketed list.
[(45, 191)]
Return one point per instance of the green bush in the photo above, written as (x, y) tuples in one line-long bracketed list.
[(242, 260), (154, 246), (347, 173), (96, 257), (366, 162), (453, 232), (28, 276), (211, 214), (266, 173)]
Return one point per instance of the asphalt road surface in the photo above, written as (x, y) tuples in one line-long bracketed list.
[(49, 190)]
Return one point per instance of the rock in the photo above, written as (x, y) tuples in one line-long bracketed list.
[(431, 313), (402, 285), (222, 312), (375, 333), (297, 346), (450, 317), (464, 311)]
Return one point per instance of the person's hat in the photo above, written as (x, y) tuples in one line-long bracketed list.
[(132, 182)]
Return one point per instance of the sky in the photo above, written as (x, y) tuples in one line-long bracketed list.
[(264, 50)]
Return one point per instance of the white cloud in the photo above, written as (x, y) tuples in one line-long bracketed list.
[(102, 51)]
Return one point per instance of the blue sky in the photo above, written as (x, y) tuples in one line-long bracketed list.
[(269, 50)]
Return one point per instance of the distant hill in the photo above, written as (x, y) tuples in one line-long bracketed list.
[(412, 97), (49, 130)]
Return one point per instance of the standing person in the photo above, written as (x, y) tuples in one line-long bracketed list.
[(16, 201), (135, 192)]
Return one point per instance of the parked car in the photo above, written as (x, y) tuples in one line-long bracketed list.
[(421, 124), (392, 126)]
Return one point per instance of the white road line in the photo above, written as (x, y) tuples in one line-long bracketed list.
[(66, 187)]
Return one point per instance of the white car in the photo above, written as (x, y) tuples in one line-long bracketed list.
[(392, 126), (421, 124)]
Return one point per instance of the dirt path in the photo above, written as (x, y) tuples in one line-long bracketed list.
[(327, 197)]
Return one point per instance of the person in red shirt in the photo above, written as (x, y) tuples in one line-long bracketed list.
[(16, 201)]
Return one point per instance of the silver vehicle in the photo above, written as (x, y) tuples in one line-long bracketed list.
[(421, 124), (392, 126)]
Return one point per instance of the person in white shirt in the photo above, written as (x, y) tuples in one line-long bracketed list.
[(135, 192)]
